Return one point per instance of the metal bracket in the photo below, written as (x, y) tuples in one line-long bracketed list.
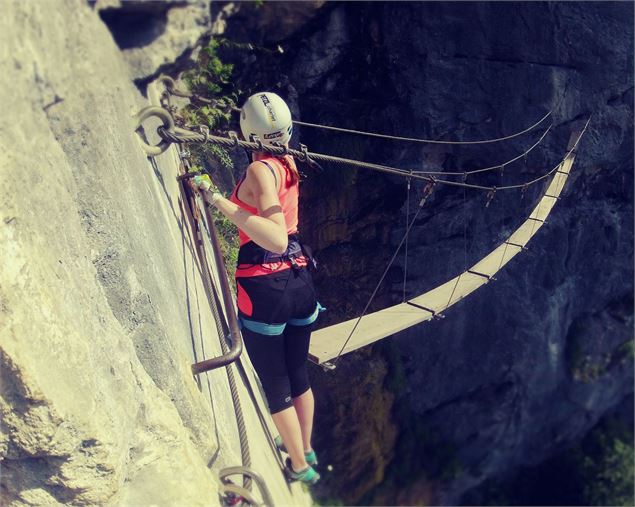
[(523, 191), (305, 153), (328, 366), (234, 137), (284, 147), (490, 196), (435, 314), (187, 176), (258, 142), (204, 129), (522, 247), (489, 277)]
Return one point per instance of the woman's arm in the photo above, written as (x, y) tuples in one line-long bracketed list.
[(267, 229)]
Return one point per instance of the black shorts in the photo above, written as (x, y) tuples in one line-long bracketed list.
[(276, 313)]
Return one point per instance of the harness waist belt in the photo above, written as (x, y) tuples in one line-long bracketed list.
[(251, 253)]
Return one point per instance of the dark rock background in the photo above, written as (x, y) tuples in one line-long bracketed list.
[(528, 364)]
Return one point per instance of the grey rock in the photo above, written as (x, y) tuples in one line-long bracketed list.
[(102, 307), (154, 36)]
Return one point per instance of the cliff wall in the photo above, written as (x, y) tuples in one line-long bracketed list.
[(102, 309)]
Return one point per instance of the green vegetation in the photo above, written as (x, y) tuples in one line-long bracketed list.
[(597, 471), (213, 98), (211, 83), (587, 368), (356, 435), (626, 350), (605, 465)]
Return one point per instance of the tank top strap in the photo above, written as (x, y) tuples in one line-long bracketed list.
[(273, 171)]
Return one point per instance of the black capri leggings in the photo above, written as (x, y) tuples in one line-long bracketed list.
[(277, 313)]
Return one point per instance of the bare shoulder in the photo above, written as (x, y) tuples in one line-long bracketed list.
[(260, 176)]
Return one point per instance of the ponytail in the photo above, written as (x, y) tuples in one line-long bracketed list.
[(292, 170)]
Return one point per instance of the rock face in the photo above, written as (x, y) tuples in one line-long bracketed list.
[(102, 309), (529, 363), (154, 35)]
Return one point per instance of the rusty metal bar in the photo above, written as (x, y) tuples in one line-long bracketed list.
[(229, 355)]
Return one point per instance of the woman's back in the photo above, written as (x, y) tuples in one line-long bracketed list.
[(288, 193)]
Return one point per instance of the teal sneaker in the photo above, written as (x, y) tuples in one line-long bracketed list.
[(310, 457), (307, 476)]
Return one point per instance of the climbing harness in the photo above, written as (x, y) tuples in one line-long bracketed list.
[(252, 254)]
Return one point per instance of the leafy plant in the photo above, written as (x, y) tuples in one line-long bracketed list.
[(213, 98)]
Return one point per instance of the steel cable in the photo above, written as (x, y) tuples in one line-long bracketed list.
[(490, 168), (425, 141), (179, 135)]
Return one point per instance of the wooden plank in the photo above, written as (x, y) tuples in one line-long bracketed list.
[(496, 259), (543, 208), (327, 342), (451, 292), (525, 232), (557, 184)]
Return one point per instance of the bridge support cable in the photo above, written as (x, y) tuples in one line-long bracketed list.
[(426, 193), (325, 343)]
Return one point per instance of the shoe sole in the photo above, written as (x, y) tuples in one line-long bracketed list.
[(293, 479)]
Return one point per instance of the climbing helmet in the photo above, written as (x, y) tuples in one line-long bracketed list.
[(267, 116)]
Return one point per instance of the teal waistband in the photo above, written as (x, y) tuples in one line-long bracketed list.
[(277, 329), (310, 319), (261, 327)]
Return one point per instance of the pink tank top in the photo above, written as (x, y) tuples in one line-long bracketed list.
[(287, 194)]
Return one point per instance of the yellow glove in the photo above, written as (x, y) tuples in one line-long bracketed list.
[(203, 182), (210, 191)]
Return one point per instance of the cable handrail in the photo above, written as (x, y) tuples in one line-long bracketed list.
[(169, 133), (490, 168), (423, 141)]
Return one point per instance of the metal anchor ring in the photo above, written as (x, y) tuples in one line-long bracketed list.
[(168, 125)]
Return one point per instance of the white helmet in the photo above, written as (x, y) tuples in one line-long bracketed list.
[(267, 116)]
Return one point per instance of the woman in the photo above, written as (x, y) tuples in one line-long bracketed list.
[(276, 299)]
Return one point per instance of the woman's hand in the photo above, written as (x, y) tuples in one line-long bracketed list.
[(203, 182)]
